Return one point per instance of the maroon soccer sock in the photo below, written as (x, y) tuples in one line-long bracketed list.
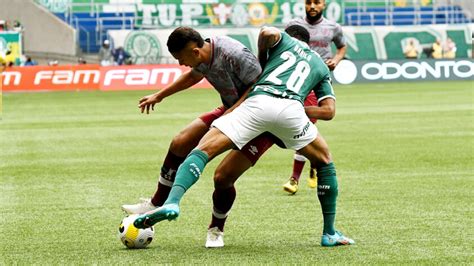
[(161, 194), (223, 200), (166, 179), (298, 165)]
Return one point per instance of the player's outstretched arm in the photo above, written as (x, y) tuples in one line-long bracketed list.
[(268, 37), (326, 110), (185, 81)]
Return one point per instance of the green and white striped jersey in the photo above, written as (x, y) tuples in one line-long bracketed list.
[(292, 71)]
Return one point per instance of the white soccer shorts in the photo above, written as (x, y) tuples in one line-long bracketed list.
[(284, 118)]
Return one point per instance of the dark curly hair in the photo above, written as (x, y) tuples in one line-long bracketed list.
[(181, 36), (298, 32)]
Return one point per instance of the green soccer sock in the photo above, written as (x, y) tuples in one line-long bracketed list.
[(327, 195), (188, 173)]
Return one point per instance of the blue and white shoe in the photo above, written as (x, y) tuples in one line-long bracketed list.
[(337, 239), (166, 212)]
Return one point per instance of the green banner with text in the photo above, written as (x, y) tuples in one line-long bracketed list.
[(173, 13)]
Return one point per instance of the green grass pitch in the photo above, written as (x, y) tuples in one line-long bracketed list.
[(403, 151)]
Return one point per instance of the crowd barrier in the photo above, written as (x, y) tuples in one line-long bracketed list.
[(93, 77), (154, 77)]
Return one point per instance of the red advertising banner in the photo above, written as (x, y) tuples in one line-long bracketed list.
[(93, 77)]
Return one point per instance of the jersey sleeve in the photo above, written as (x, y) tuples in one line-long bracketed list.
[(339, 39), (324, 88)]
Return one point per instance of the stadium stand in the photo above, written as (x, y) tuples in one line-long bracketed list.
[(92, 19), (92, 27), (364, 15)]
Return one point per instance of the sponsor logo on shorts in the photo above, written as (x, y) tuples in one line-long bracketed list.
[(253, 150), (305, 129)]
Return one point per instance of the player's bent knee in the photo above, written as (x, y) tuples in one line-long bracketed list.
[(326, 158), (182, 144), (223, 179)]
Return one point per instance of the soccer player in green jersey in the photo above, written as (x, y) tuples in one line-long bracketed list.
[(275, 104)]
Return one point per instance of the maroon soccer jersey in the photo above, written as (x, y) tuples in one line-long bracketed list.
[(232, 70), (321, 35)]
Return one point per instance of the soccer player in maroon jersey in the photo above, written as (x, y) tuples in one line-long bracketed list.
[(322, 33), (274, 104), (231, 68)]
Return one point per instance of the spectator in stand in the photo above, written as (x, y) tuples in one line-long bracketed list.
[(437, 49), (449, 49), (120, 56), (17, 26), (105, 54), (81, 61), (2, 25), (30, 62), (411, 50)]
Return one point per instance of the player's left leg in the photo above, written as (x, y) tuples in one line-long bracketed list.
[(297, 132), (318, 153)]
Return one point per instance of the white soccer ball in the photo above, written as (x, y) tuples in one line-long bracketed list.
[(133, 237)]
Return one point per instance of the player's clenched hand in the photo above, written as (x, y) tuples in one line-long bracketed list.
[(331, 64), (148, 102)]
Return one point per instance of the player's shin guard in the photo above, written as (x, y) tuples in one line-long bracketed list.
[(327, 195), (166, 179), (223, 199), (188, 173)]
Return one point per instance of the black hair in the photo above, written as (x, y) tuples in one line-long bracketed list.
[(180, 38), (298, 32)]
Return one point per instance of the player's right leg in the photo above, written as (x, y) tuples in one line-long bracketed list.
[(228, 171), (179, 148), (225, 176)]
